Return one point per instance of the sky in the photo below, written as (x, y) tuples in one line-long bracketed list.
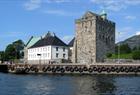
[(21, 19)]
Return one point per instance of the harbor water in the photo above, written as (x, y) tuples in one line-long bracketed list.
[(43, 84)]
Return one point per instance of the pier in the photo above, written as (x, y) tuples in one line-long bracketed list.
[(69, 68)]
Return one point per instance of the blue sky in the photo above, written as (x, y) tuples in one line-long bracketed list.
[(21, 19)]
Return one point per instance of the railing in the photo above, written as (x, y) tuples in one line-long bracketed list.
[(121, 61)]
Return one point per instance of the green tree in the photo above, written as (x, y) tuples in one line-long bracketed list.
[(19, 46), (10, 52), (139, 48), (116, 49), (108, 55), (136, 55), (2, 56), (14, 51), (135, 48), (123, 49)]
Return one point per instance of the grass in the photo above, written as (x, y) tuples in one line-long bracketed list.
[(122, 56)]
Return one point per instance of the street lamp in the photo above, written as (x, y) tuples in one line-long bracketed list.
[(118, 48)]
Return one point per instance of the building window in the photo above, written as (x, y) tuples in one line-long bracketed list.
[(57, 55), (48, 48), (64, 49), (56, 48), (64, 55), (48, 54)]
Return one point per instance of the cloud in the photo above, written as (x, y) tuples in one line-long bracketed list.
[(138, 33), (57, 1), (60, 12), (130, 17), (35, 4), (56, 12), (115, 5), (32, 4), (67, 38), (12, 34)]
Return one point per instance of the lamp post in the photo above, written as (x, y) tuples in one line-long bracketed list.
[(118, 49)]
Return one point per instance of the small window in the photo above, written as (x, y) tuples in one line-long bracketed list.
[(48, 48), (48, 54), (111, 38), (64, 55), (64, 49), (56, 48), (57, 55), (45, 54)]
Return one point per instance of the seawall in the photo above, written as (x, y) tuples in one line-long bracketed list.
[(4, 68), (100, 68)]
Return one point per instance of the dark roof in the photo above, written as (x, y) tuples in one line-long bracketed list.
[(49, 40), (71, 43)]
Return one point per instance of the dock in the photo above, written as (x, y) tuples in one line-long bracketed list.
[(69, 68)]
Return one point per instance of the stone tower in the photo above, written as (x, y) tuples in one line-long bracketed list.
[(94, 38)]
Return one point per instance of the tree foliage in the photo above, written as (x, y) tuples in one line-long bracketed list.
[(2, 56), (108, 55), (10, 52), (136, 55), (14, 51), (123, 49)]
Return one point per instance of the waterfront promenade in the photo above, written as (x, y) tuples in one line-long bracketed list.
[(69, 68)]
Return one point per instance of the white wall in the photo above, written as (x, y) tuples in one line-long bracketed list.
[(60, 52), (47, 53)]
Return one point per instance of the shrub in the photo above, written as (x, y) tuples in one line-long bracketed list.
[(108, 55), (136, 55)]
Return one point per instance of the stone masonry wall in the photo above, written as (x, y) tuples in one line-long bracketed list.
[(105, 38), (94, 38), (85, 46)]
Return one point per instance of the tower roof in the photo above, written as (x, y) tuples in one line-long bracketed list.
[(103, 12)]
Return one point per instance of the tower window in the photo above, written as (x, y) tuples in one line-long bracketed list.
[(64, 55), (56, 48), (57, 55)]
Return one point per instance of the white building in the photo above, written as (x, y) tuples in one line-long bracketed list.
[(48, 49), (71, 43)]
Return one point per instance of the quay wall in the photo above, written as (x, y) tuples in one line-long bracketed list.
[(68, 68), (3, 68)]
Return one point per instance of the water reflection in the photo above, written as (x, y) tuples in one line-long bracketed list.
[(94, 85), (68, 85)]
